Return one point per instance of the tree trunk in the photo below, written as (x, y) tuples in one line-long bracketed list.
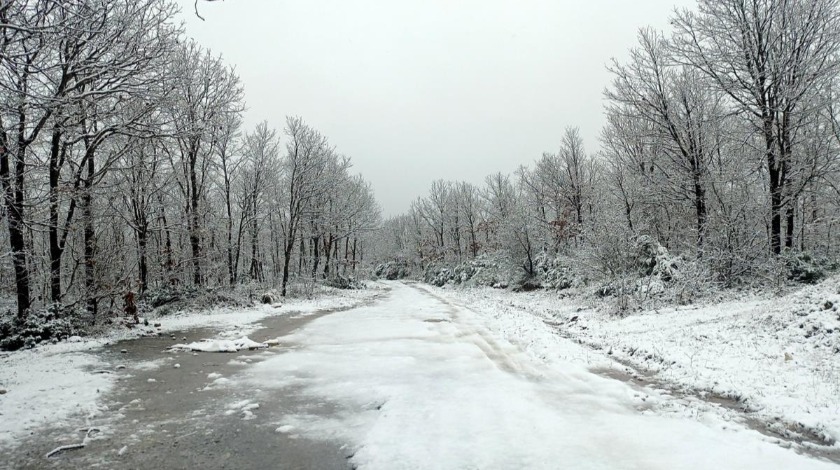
[(231, 269), (700, 212), (328, 245), (229, 212), (301, 254), (256, 269), (14, 197), (143, 266), (346, 253), (287, 255), (55, 248), (91, 302), (775, 187), (195, 239), (168, 263), (790, 215), (316, 256), (354, 255)]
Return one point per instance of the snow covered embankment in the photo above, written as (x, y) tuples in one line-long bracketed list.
[(416, 382), (779, 359)]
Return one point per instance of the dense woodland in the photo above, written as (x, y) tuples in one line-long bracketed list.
[(125, 167), (720, 148)]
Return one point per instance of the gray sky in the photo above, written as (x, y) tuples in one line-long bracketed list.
[(421, 90)]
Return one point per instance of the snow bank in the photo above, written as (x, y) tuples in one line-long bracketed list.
[(46, 386), (220, 345), (421, 383), (778, 358)]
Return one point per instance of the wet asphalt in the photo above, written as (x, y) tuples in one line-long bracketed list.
[(168, 417)]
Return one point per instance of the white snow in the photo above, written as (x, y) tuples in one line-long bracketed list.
[(778, 356), (245, 408), (425, 384), (53, 383), (246, 320), (220, 345), (47, 387)]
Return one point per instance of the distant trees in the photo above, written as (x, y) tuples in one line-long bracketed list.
[(774, 60), (207, 91), (682, 123), (720, 144), (83, 73), (459, 221), (317, 188), (124, 167), (725, 115)]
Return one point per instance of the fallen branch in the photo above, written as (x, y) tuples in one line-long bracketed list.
[(61, 449), (88, 432)]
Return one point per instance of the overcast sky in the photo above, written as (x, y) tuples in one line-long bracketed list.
[(421, 90)]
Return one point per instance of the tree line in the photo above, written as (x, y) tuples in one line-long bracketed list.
[(125, 166), (721, 143)]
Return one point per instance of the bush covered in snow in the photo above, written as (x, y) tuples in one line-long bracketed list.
[(167, 300), (630, 273), (806, 268), (49, 324), (488, 270), (647, 276), (341, 282), (499, 271), (558, 272), (392, 270)]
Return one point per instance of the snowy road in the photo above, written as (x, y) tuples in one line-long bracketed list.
[(410, 381), (421, 383)]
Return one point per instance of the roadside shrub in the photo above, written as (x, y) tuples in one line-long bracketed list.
[(165, 295), (803, 267), (652, 259), (392, 270), (556, 272), (167, 300), (341, 282), (488, 270), (50, 324)]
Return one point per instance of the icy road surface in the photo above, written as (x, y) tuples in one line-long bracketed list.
[(407, 380), (419, 383)]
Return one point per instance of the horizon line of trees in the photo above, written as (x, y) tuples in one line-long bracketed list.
[(124, 166), (722, 143)]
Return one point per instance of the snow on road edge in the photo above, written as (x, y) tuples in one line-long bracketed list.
[(754, 351), (51, 383)]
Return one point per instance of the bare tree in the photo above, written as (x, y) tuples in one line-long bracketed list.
[(769, 57), (683, 118), (261, 154), (307, 154), (206, 92)]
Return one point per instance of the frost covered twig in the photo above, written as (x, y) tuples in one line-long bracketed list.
[(61, 449), (88, 432)]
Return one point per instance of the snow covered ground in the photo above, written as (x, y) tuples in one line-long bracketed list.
[(778, 358), (420, 382), (50, 383)]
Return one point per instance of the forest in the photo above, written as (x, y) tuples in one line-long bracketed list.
[(717, 168), (126, 171), (193, 274)]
